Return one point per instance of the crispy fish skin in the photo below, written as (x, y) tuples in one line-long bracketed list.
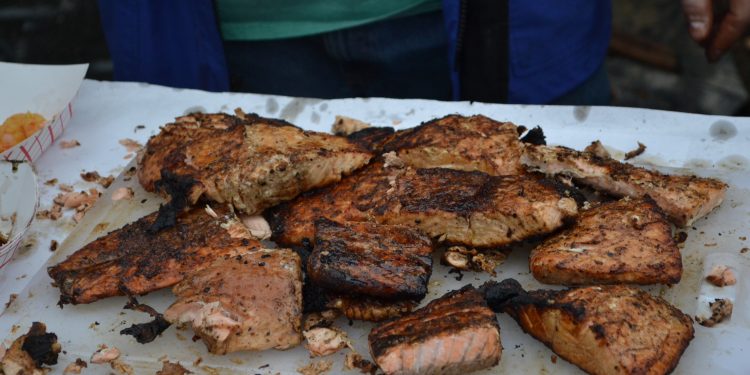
[(454, 334), (251, 162), (626, 241), (249, 300), (683, 198), (474, 143), (608, 329), (384, 261), (135, 261), (463, 208)]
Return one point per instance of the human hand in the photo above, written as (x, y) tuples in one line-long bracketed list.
[(716, 35)]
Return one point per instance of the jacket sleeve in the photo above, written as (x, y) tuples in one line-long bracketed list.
[(167, 42)]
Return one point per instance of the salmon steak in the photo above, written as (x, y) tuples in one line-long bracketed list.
[(454, 334), (247, 161), (474, 143), (683, 198), (608, 329), (134, 260), (626, 241), (245, 301), (473, 209), (362, 258)]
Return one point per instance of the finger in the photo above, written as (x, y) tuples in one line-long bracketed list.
[(699, 14), (730, 29)]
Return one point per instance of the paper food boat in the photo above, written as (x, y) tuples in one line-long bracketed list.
[(19, 200), (48, 90)]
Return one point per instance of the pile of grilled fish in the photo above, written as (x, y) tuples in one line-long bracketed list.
[(358, 219)]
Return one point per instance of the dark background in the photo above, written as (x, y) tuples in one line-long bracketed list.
[(652, 62)]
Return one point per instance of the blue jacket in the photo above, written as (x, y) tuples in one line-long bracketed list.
[(553, 45)]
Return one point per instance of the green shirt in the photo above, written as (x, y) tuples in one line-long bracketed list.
[(276, 19)]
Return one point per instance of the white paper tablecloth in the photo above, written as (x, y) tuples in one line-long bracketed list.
[(106, 112)]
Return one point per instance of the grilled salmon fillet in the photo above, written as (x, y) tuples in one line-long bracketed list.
[(609, 329), (475, 143), (383, 261), (683, 198), (250, 162), (249, 300), (454, 334), (133, 260), (625, 241), (463, 208)]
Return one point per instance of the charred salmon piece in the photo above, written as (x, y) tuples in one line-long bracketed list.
[(134, 260), (250, 162), (625, 241), (475, 143), (249, 300), (372, 138), (454, 334), (384, 261), (472, 209), (683, 198), (608, 329), (355, 307)]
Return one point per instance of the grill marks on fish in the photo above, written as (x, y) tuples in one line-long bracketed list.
[(454, 334), (383, 261), (134, 260), (608, 329), (625, 241), (250, 162), (683, 198), (463, 208), (250, 300)]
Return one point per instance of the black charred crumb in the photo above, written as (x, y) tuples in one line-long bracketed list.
[(139, 127), (459, 275), (535, 136), (178, 188), (53, 245), (680, 237), (144, 332), (147, 332), (631, 154), (144, 201), (264, 366), (42, 346)]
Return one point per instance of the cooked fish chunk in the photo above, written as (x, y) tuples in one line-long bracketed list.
[(683, 198), (626, 241), (136, 261), (609, 329), (354, 307), (29, 353), (475, 143), (384, 261), (454, 334), (251, 300), (472, 209), (250, 162)]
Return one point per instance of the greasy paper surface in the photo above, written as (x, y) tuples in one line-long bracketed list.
[(706, 145)]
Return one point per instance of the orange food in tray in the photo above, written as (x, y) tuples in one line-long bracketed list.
[(18, 127)]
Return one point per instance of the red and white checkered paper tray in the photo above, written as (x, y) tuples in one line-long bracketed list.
[(48, 90)]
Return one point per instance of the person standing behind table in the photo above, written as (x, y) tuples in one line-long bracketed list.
[(514, 51)]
